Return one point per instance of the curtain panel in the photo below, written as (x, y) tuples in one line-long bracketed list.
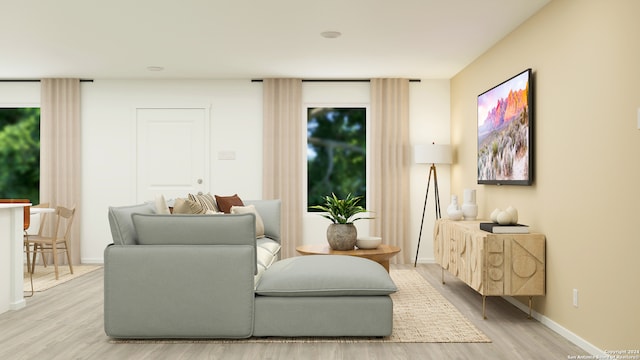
[(283, 156), (390, 160), (60, 150)]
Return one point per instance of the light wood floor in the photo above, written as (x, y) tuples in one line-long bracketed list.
[(66, 322)]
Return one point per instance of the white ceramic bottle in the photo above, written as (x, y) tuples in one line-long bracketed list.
[(453, 210), (469, 207)]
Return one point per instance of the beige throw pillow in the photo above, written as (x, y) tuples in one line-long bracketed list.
[(252, 210), (186, 206), (161, 205), (205, 200)]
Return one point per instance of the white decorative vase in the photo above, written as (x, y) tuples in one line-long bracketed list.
[(469, 207), (504, 218), (453, 210), (494, 215), (513, 212)]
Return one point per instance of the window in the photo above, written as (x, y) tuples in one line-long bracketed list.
[(20, 153), (336, 153)]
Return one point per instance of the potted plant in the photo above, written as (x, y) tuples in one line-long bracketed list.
[(341, 233)]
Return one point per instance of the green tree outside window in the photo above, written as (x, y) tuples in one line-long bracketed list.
[(336, 153), (20, 153)]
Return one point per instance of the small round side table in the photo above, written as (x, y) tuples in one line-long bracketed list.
[(381, 254)]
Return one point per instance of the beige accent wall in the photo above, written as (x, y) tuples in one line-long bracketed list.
[(585, 55)]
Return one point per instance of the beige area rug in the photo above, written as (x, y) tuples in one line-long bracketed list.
[(420, 315), (45, 277)]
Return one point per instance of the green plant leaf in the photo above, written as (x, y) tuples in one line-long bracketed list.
[(341, 211)]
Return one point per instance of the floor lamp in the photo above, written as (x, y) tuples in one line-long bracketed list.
[(431, 154)]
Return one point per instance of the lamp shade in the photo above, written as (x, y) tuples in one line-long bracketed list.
[(432, 154)]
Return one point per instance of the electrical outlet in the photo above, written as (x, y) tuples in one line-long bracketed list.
[(575, 297)]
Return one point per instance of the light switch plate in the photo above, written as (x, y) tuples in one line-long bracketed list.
[(227, 155)]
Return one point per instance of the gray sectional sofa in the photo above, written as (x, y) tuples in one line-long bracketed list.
[(208, 276)]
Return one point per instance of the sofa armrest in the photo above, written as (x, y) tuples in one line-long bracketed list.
[(173, 291), (122, 229), (270, 212)]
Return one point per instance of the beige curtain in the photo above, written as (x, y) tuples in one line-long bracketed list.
[(284, 155), (390, 157), (60, 150)]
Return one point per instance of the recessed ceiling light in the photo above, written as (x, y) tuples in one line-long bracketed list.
[(155, 68), (330, 34)]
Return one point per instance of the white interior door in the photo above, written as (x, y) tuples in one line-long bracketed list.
[(172, 152)]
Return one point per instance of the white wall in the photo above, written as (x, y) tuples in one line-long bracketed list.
[(430, 122), (19, 94), (108, 143)]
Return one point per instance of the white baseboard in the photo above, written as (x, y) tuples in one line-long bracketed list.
[(92, 261), (562, 331)]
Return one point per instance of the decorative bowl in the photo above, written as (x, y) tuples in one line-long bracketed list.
[(368, 242)]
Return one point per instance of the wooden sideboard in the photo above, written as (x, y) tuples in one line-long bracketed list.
[(491, 264)]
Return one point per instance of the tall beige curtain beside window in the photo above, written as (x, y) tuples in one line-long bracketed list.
[(60, 149), (390, 159), (283, 156)]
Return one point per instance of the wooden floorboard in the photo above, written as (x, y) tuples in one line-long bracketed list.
[(66, 322)]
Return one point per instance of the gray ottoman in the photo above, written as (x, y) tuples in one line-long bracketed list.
[(324, 295)]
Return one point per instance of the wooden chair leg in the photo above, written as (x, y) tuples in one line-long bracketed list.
[(27, 249), (54, 249), (43, 256), (33, 260), (67, 250)]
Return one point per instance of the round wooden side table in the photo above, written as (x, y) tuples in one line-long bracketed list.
[(381, 254)]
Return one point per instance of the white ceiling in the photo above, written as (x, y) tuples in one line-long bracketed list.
[(230, 39)]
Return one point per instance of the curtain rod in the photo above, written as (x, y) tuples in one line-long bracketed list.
[(335, 80), (252, 80), (36, 80)]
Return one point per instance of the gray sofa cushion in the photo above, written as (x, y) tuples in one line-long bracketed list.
[(122, 229), (325, 275), (215, 229)]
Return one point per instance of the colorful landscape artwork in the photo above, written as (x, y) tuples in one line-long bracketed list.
[(504, 132)]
